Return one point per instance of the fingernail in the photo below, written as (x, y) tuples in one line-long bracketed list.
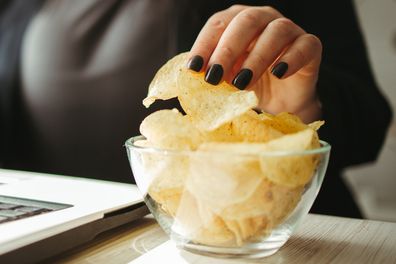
[(195, 63), (214, 74), (280, 69), (242, 79)]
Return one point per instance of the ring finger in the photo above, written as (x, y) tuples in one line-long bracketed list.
[(276, 37)]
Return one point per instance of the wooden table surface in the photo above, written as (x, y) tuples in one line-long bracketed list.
[(319, 239)]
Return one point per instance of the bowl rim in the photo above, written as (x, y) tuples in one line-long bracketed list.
[(129, 143)]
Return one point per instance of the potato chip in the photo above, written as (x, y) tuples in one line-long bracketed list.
[(168, 175), (164, 175), (169, 129), (269, 199), (249, 127), (247, 229), (215, 233), (288, 123), (257, 215), (144, 143), (285, 123), (196, 222), (266, 208), (223, 133), (291, 170), (164, 84), (167, 199), (220, 180), (316, 125), (211, 106), (228, 149)]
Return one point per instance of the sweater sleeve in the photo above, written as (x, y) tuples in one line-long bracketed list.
[(357, 116), (356, 113)]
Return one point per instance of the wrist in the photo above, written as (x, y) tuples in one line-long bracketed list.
[(311, 112)]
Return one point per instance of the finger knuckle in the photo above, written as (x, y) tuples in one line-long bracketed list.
[(300, 55), (270, 10), (259, 59), (283, 25), (217, 22), (226, 52), (250, 17), (204, 45), (313, 41), (236, 8)]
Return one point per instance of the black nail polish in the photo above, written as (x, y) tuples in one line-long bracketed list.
[(214, 74), (280, 69), (195, 63), (242, 79)]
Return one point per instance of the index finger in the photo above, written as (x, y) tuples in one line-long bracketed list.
[(209, 36)]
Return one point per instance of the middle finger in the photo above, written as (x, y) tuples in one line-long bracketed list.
[(235, 40)]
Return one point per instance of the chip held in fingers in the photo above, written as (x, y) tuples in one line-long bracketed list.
[(164, 84), (225, 178), (211, 106)]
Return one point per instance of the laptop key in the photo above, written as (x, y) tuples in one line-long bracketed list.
[(31, 210), (14, 208), (4, 206), (11, 213)]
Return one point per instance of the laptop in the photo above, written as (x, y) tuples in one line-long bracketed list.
[(42, 215)]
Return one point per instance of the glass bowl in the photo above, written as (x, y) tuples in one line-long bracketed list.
[(228, 204)]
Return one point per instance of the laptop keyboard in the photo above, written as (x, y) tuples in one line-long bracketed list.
[(13, 208)]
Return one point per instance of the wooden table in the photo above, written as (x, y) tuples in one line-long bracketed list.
[(320, 239)]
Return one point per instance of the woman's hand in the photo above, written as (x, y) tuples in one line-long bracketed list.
[(256, 48)]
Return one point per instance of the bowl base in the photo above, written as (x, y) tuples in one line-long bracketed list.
[(215, 254), (265, 248)]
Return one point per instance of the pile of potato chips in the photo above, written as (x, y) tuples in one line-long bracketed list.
[(225, 178)]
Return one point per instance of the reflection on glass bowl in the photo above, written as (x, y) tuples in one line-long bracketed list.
[(226, 204)]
